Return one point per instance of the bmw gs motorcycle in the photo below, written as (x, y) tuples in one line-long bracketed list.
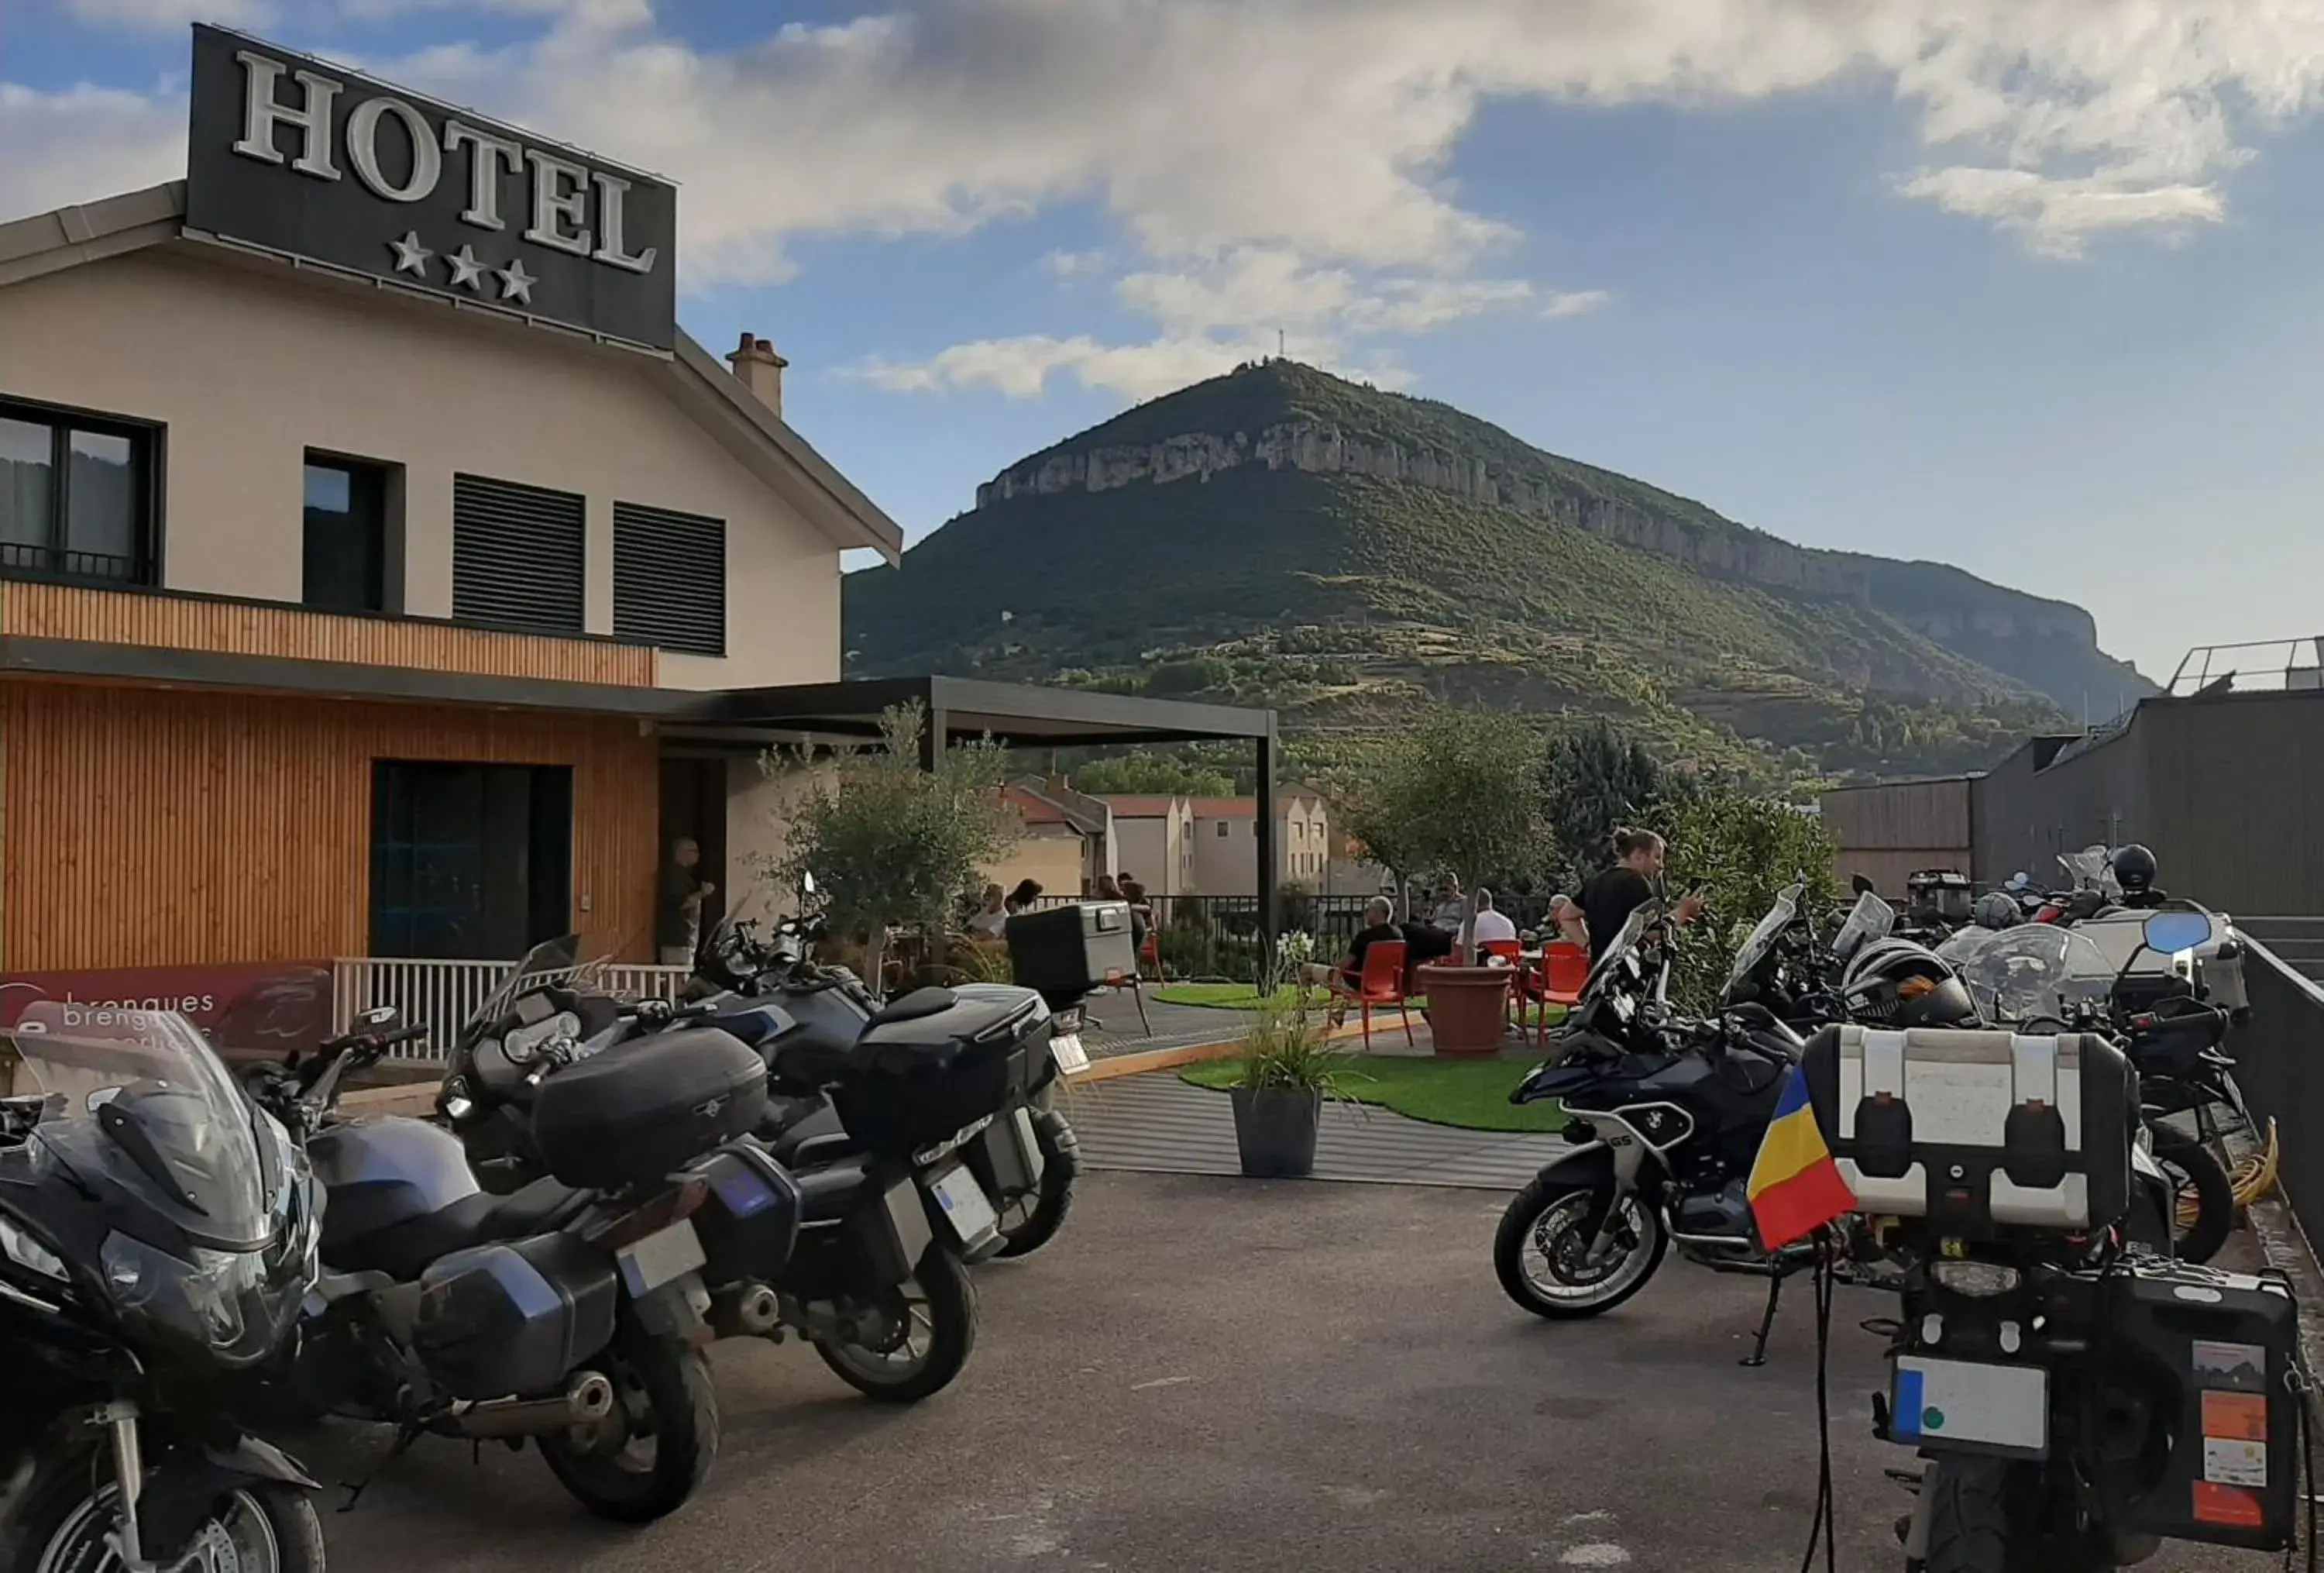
[(1666, 1118), (571, 1314), (820, 1014), (157, 1236)]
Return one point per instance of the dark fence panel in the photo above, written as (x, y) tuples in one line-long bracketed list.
[(2280, 1066)]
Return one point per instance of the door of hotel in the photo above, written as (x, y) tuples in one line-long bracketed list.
[(469, 862)]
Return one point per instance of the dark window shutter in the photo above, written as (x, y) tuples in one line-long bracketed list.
[(517, 556), (670, 579)]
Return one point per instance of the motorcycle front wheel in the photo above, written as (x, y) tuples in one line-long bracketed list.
[(2203, 1195), (646, 1458), (1543, 1258), (1032, 1222), (919, 1335), (259, 1527)]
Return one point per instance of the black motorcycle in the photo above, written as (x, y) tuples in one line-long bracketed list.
[(889, 1214), (157, 1237), (821, 1013), (571, 1314), (1666, 1114)]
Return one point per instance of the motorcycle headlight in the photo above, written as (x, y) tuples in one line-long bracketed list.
[(1975, 1280), (199, 1299)]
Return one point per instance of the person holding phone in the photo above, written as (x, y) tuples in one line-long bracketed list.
[(1608, 897)]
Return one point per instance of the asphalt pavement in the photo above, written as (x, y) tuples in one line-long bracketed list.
[(1206, 1375)]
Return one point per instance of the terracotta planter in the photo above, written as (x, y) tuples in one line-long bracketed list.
[(1274, 1130), (1468, 1008)]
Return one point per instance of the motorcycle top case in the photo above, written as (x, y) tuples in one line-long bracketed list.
[(513, 1319), (1978, 1131), (2211, 1353), (939, 1059), (642, 1109), (1066, 952)]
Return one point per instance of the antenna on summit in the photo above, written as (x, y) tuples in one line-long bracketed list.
[(1279, 344)]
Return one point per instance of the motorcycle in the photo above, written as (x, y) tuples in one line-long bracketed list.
[(569, 1314), (869, 1264), (1666, 1114), (2049, 977), (1029, 1166), (157, 1237)]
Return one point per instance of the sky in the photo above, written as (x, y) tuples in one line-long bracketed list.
[(2035, 287)]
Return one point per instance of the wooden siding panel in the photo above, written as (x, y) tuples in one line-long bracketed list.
[(46, 611), (155, 827), (1900, 816)]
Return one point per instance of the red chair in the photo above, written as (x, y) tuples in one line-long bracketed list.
[(1512, 952), (1381, 982), (1557, 981)]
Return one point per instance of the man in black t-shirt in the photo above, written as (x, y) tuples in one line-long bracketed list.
[(1608, 898), (1422, 943), (677, 911)]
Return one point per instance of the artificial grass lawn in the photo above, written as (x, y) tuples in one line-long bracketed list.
[(1470, 1094)]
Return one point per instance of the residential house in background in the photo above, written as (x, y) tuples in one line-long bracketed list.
[(1068, 839), (1154, 838), (1225, 862)]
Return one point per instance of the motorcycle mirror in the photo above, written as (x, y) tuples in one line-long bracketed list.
[(2168, 933), (1860, 884), (806, 884)]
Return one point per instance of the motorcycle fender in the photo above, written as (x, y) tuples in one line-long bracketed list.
[(1616, 1158), (181, 1490)]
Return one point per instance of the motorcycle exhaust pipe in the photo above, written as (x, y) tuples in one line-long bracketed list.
[(589, 1399), (749, 1310)]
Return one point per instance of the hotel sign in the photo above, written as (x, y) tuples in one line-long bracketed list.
[(291, 155)]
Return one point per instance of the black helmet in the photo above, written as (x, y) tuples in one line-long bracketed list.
[(1896, 983), (2134, 869), (1997, 909)]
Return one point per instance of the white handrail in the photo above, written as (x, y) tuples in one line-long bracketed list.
[(443, 995)]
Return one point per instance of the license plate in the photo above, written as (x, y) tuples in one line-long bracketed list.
[(963, 1203), (1067, 1048), (1970, 1406), (660, 1258)]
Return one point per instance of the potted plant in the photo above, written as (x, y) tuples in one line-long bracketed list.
[(1288, 1068), (1458, 791)]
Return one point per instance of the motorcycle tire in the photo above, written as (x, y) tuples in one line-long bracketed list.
[(63, 1525), (951, 1299), (1061, 1168), (2214, 1195), (1972, 1528), (1526, 1213), (668, 1386)]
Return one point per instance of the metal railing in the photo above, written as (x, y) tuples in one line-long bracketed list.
[(443, 995), (2297, 942), (2279, 1058)]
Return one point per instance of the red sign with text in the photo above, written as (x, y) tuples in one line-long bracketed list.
[(257, 1005)]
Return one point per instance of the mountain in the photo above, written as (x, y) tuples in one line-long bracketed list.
[(1281, 534)]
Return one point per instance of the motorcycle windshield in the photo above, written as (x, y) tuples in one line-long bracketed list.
[(142, 1095), (1642, 918), (2036, 970), (1762, 938), (569, 960), (1870, 919)]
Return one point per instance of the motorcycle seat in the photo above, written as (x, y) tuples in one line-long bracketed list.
[(404, 1251), (916, 1007)]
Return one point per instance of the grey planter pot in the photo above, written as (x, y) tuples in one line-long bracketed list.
[(1274, 1130)]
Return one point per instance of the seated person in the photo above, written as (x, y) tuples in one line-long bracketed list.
[(990, 921), (1491, 923), (1422, 942)]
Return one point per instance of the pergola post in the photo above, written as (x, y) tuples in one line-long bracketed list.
[(1270, 891), (932, 741)]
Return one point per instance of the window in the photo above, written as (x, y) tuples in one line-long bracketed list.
[(1222, 829), (670, 579), (75, 496), (516, 556), (349, 546), (469, 862)]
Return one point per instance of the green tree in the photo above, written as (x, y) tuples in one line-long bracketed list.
[(1747, 849), (1595, 779), (1455, 792), (892, 846), (1152, 770)]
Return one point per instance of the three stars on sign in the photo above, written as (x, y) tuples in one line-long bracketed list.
[(468, 271)]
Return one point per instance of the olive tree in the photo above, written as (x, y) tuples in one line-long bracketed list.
[(892, 844), (1456, 792)]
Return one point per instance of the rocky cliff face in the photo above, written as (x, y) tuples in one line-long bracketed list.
[(1734, 552)]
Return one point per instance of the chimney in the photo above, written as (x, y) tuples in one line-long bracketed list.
[(758, 368)]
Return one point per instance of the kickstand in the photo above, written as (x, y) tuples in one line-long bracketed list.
[(405, 1436), (1759, 1356)]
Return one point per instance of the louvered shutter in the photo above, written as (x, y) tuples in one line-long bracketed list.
[(517, 556), (670, 579)]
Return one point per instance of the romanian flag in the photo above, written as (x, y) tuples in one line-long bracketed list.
[(1795, 1186)]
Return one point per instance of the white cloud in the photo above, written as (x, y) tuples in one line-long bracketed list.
[(1022, 367), (1067, 265), (83, 144), (1575, 302), (172, 14)]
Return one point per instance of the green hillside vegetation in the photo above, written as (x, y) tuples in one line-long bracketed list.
[(1344, 599)]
